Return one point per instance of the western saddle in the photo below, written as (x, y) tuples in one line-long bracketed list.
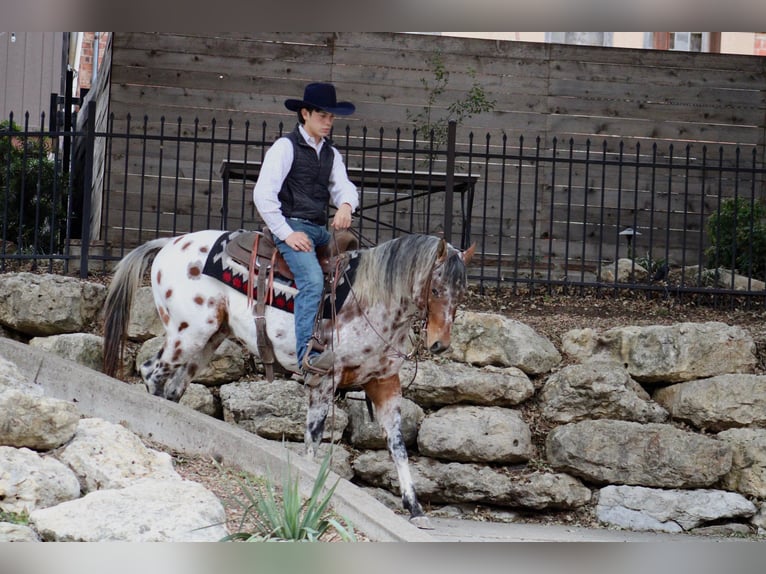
[(257, 251)]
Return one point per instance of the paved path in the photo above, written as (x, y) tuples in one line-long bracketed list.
[(457, 530)]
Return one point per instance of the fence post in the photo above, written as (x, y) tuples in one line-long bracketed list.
[(449, 182), (87, 179)]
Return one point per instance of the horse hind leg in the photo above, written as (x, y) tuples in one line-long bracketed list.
[(386, 395)]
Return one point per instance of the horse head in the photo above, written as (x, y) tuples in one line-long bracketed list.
[(446, 288)]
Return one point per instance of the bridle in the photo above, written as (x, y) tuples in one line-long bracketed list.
[(419, 322)]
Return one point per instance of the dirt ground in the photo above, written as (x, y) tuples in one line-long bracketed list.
[(550, 315)]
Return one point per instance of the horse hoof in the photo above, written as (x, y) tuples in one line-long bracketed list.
[(421, 522)]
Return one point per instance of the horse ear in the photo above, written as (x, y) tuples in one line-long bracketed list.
[(467, 255)]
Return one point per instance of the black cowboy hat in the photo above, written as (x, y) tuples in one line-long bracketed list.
[(321, 96)]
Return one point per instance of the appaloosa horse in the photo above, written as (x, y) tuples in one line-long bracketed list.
[(415, 279)]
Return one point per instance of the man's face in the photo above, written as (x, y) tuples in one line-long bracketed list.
[(317, 123)]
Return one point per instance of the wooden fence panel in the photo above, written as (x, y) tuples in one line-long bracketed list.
[(545, 95)]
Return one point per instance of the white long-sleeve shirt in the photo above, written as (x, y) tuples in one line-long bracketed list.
[(276, 165)]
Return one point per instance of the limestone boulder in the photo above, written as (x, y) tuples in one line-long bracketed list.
[(640, 508), (748, 466), (597, 390), (83, 348), (433, 384), (48, 304), (622, 452), (717, 403), (275, 410), (149, 510), (476, 434), (492, 339), (29, 481), (365, 432), (454, 482), (667, 353), (36, 422), (105, 455)]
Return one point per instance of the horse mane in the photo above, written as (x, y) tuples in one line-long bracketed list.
[(390, 272)]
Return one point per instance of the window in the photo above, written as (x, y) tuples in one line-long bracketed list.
[(687, 41)]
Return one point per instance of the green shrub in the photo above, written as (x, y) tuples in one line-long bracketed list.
[(284, 516), (737, 235), (427, 121), (32, 194), (14, 517)]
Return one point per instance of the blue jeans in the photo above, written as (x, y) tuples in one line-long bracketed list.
[(308, 278)]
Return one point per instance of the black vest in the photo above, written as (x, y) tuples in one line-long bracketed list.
[(305, 192)]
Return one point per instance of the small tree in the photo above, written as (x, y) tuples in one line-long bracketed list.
[(426, 121), (31, 192), (737, 235)]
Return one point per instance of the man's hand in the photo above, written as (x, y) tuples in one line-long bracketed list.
[(342, 219), (299, 241)]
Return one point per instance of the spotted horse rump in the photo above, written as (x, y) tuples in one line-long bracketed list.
[(414, 279)]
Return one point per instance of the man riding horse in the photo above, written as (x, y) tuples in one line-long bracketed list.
[(301, 173)]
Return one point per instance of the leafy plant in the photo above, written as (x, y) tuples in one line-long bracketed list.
[(31, 191), (427, 121), (651, 264), (286, 517), (14, 517), (737, 233)]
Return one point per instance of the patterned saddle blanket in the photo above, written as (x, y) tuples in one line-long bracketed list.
[(222, 267)]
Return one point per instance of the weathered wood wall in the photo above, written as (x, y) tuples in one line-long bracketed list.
[(561, 94)]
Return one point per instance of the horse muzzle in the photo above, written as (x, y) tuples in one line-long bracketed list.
[(438, 347)]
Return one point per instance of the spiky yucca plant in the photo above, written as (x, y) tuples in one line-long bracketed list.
[(288, 517)]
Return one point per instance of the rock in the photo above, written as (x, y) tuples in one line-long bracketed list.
[(47, 304), (597, 390), (668, 354), (362, 432), (11, 377), (491, 339), (431, 384), (226, 365), (149, 510), (628, 271), (639, 508), (340, 458), (36, 422), (10, 532), (748, 466), (104, 455), (82, 348), (719, 278), (29, 481), (275, 410), (717, 403), (144, 321), (199, 398), (654, 455), (475, 434), (454, 482)]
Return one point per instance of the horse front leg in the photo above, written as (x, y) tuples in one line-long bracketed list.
[(386, 395), (320, 399)]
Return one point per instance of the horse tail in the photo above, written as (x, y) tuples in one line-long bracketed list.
[(127, 279)]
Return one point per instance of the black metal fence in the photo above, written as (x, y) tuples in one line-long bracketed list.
[(675, 217)]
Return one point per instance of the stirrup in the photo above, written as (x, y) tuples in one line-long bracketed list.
[(321, 364)]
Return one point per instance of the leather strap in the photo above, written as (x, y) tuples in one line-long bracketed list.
[(265, 348)]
